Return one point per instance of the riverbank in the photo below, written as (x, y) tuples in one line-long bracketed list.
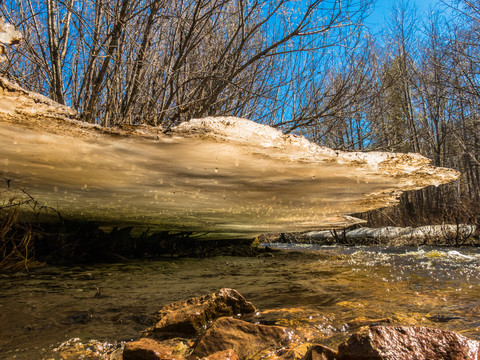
[(26, 245)]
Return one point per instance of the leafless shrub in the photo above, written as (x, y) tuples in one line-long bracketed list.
[(17, 236)]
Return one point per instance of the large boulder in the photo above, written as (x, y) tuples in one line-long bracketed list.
[(408, 343), (246, 339), (185, 318)]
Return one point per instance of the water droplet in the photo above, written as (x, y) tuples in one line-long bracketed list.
[(216, 170)]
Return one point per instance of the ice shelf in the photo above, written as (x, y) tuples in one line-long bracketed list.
[(222, 176)]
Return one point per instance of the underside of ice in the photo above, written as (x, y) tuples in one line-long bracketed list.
[(222, 176)]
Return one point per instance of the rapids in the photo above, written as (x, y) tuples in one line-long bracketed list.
[(325, 293)]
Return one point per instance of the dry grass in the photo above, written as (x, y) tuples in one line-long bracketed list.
[(16, 246), (17, 250)]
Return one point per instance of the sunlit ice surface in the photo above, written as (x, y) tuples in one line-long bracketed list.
[(225, 177)]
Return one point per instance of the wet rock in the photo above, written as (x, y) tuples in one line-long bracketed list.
[(407, 343), (246, 339), (149, 349), (287, 355), (320, 352), (185, 318), (296, 353), (223, 355)]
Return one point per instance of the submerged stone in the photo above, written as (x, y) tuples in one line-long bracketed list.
[(223, 177)]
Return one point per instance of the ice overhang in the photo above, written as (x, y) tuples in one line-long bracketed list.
[(224, 176)]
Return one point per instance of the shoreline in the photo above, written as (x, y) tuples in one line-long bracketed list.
[(446, 235), (73, 243)]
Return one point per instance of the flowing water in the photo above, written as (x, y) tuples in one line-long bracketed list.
[(325, 293)]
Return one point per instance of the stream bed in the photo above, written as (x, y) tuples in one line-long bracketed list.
[(326, 293)]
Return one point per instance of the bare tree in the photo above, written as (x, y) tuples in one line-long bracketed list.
[(158, 62)]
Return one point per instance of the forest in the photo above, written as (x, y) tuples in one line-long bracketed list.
[(310, 67)]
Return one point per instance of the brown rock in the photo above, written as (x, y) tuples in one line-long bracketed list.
[(246, 339), (148, 349), (289, 354), (320, 352), (408, 343), (185, 318), (223, 355), (294, 353)]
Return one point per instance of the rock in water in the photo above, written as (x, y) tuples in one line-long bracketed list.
[(223, 355), (149, 349), (224, 177), (408, 343), (185, 318), (320, 352), (245, 338), (228, 338)]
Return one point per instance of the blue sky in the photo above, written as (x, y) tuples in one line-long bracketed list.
[(382, 9)]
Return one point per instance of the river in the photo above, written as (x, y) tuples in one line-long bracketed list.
[(324, 292)]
